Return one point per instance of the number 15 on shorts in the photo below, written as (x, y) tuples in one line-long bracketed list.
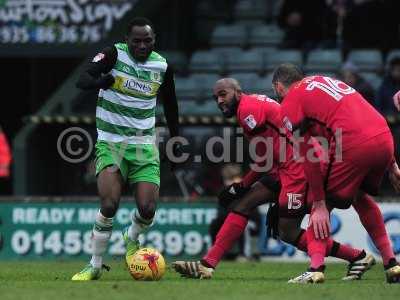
[(294, 200)]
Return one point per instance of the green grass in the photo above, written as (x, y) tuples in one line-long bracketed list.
[(51, 280)]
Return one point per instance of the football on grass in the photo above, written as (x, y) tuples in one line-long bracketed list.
[(147, 264)]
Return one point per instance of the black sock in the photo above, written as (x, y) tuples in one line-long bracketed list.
[(206, 264), (360, 256), (319, 269), (392, 262)]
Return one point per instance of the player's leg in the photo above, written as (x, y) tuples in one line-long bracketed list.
[(342, 181), (110, 184), (144, 173), (291, 212), (367, 209), (236, 222), (359, 261), (372, 220), (233, 227), (111, 174), (146, 194), (291, 233)]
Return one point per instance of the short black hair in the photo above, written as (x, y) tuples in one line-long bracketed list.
[(395, 61), (287, 74), (139, 21)]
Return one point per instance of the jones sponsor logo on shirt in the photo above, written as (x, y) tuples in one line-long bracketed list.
[(139, 86), (250, 121)]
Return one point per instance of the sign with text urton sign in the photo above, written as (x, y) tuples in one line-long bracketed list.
[(59, 21)]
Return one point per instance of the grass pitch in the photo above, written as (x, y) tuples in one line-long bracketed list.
[(51, 280)]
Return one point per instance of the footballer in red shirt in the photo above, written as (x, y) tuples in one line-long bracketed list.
[(259, 116), (360, 152)]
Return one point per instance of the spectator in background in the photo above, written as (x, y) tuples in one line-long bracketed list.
[(389, 87), (350, 75), (307, 24), (5, 161), (371, 24)]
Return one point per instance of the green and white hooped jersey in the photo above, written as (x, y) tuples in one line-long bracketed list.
[(126, 111)]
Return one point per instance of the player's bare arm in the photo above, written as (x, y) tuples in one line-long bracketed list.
[(319, 218), (167, 96)]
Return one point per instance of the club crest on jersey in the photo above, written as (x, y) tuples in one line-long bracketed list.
[(155, 76), (288, 124), (250, 121), (98, 57)]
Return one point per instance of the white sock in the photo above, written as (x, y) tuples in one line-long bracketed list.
[(100, 236), (138, 226), (96, 261)]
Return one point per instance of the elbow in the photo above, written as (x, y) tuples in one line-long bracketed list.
[(86, 82), (82, 84)]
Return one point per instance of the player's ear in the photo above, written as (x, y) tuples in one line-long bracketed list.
[(280, 88)]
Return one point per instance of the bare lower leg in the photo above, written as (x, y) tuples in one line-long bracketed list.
[(258, 195), (236, 222), (146, 195), (109, 185)]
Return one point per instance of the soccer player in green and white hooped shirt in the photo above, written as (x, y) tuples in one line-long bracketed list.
[(130, 76)]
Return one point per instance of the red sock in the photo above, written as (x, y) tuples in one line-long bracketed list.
[(229, 233), (344, 252), (301, 242), (372, 220), (316, 249), (333, 248)]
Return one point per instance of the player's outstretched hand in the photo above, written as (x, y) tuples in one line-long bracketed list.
[(394, 176), (319, 219), (231, 193), (396, 100)]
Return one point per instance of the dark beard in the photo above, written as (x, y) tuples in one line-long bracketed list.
[(232, 108)]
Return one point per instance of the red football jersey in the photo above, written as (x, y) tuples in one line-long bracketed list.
[(259, 116), (329, 108), (335, 107)]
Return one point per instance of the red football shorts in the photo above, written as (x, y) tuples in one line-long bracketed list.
[(361, 168), (293, 202)]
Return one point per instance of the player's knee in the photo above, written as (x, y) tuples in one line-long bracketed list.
[(288, 231), (109, 207), (245, 205), (148, 210), (242, 208)]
